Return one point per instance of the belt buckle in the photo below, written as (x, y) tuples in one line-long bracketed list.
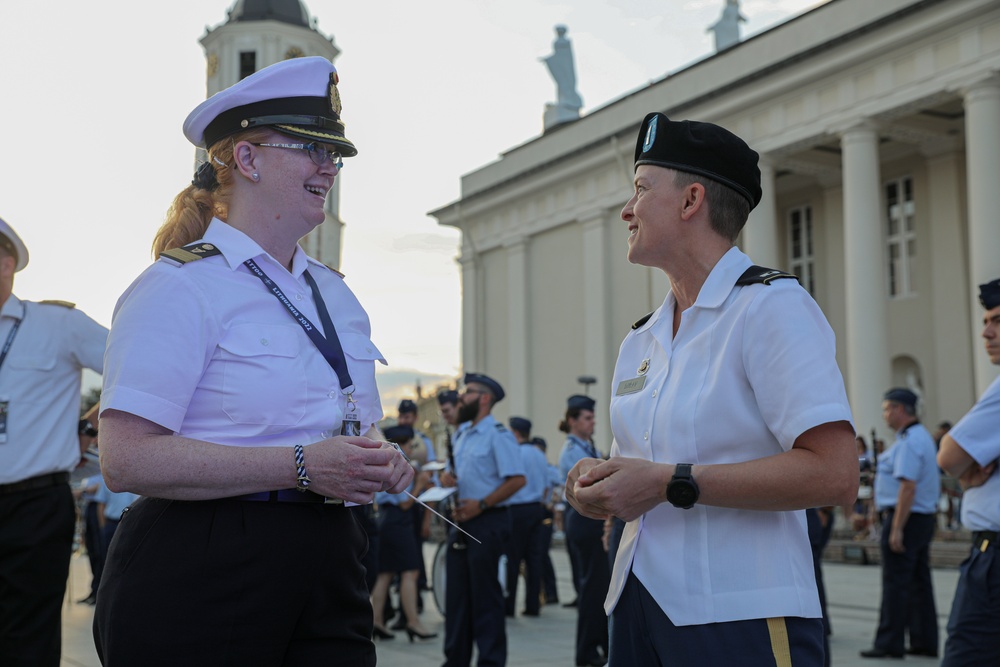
[(332, 501)]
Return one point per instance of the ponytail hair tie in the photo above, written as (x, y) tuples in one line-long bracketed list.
[(204, 177)]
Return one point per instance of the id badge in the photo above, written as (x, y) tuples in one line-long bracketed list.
[(352, 420), (4, 408)]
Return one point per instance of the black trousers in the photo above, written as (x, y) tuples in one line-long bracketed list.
[(584, 536), (36, 541), (525, 545), (973, 640), (548, 571), (94, 540), (474, 601), (907, 591), (229, 582)]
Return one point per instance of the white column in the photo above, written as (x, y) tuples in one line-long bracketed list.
[(470, 311), (760, 236), (517, 383), (982, 141), (596, 342), (868, 363)]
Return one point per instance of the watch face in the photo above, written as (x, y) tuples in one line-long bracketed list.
[(682, 494)]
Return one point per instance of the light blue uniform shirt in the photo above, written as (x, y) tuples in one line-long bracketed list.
[(114, 503), (574, 450), (485, 455), (536, 473), (912, 457), (978, 435), (386, 498)]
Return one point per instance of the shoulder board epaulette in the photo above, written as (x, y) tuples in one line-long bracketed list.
[(315, 261), (57, 302), (500, 427), (642, 320), (189, 253), (760, 274)]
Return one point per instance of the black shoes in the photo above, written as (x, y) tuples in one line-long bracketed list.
[(929, 652), (570, 604), (411, 633), (380, 633), (879, 653), (593, 662), (90, 599)]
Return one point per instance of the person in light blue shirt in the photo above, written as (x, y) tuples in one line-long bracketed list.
[(527, 511), (110, 507), (907, 486), (488, 471)]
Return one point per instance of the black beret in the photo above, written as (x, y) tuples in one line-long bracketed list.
[(520, 424), (581, 402), (447, 396), (989, 294), (399, 434), (539, 442), (406, 405), (487, 382), (900, 395), (699, 148)]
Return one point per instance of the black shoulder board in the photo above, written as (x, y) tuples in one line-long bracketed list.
[(642, 320), (760, 274), (500, 427), (189, 253), (57, 302)]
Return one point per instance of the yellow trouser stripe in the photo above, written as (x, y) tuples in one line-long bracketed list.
[(779, 642)]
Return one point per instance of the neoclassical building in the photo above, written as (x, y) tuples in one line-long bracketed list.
[(258, 33), (878, 124)]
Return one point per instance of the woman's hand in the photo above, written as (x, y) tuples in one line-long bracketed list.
[(355, 468)]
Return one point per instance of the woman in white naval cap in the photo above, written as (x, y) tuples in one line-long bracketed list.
[(239, 378)]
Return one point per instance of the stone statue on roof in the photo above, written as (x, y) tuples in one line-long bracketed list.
[(560, 64), (727, 28)]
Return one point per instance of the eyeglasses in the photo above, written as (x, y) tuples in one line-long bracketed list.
[(318, 153)]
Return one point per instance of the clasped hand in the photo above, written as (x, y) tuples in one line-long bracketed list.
[(355, 468), (623, 487)]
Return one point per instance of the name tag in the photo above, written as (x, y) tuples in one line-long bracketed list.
[(630, 386)]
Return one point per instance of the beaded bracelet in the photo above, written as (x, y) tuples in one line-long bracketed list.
[(302, 480)]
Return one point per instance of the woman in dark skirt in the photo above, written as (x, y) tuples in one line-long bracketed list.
[(398, 547)]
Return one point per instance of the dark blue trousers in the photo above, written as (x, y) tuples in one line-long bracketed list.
[(474, 601), (974, 624), (907, 591), (525, 545), (548, 572), (641, 634), (36, 541), (584, 536)]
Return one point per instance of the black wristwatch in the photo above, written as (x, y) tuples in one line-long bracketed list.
[(483, 506), (682, 491)]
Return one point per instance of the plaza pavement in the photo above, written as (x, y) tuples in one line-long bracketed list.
[(853, 597)]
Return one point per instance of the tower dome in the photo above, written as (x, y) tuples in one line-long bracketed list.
[(285, 11)]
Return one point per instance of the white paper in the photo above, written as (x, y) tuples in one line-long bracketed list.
[(435, 494)]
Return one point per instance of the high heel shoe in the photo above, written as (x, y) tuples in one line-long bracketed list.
[(383, 634), (411, 633)]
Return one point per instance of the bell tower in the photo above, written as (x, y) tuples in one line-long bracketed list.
[(258, 33)]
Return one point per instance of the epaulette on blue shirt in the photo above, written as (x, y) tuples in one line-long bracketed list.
[(189, 253)]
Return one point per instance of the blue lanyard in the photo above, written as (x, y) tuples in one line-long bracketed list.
[(586, 446), (10, 337), (329, 346)]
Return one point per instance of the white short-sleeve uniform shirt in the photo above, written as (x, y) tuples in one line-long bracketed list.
[(750, 369), (206, 350), (978, 433)]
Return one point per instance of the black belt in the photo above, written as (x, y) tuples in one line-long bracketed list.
[(982, 539), (289, 496), (40, 482)]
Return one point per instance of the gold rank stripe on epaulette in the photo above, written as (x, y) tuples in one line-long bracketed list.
[(759, 274), (642, 320), (189, 253), (58, 302)]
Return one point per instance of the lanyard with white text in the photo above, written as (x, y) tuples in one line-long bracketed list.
[(328, 346), (10, 338)]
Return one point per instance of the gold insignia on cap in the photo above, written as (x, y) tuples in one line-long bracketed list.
[(335, 94), (643, 367), (244, 123)]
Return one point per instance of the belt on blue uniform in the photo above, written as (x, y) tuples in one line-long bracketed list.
[(288, 496), (983, 539), (39, 482)]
